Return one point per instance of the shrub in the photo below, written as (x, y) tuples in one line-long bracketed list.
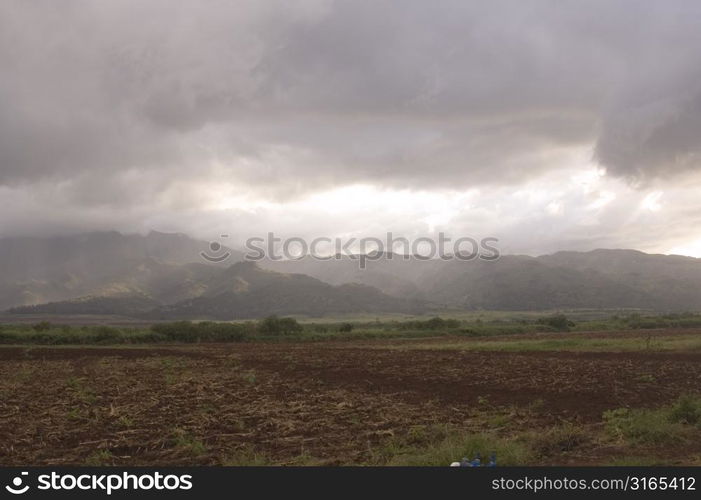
[(441, 448), (641, 426), (106, 334), (345, 328), (686, 410), (182, 331), (557, 322), (435, 323), (273, 325), (558, 439), (206, 331), (670, 424), (42, 326), (223, 332)]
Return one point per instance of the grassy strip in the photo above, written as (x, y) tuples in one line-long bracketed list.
[(275, 329), (570, 343)]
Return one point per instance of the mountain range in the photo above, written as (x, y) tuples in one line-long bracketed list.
[(162, 276)]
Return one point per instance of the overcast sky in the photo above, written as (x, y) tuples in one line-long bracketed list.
[(548, 124)]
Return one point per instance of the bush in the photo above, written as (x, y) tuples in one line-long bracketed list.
[(557, 322), (435, 323), (666, 425), (273, 325), (345, 328), (182, 331), (206, 331), (560, 439), (686, 410), (438, 449), (642, 426), (106, 334), (42, 326)]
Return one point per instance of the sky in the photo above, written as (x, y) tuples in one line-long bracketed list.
[(551, 125)]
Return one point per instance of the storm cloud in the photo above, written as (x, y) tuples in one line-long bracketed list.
[(117, 114)]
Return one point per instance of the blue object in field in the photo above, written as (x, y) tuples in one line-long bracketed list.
[(477, 461)]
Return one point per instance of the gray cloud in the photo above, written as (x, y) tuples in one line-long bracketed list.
[(123, 103), (653, 138)]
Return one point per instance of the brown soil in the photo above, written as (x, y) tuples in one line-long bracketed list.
[(211, 404)]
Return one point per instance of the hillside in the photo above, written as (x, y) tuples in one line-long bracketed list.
[(242, 291), (596, 279), (164, 267), (247, 291), (163, 275)]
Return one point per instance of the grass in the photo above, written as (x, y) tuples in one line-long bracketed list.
[(74, 414), (468, 337), (572, 342), (556, 440), (79, 388), (635, 461), (673, 424), (464, 324), (246, 456), (185, 441), (249, 457), (440, 447), (100, 458), (125, 422), (249, 377)]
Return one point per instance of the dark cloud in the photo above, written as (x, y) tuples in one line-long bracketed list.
[(653, 138), (123, 103)]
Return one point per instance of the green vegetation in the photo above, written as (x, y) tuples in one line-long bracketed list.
[(188, 443), (50, 334), (272, 325), (42, 326), (476, 324), (632, 430), (433, 324), (180, 331), (636, 461), (667, 425), (206, 331), (246, 457), (687, 410), (558, 322), (556, 440), (100, 458), (451, 446), (570, 343), (441, 445)]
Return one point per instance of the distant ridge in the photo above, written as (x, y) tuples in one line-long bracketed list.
[(162, 275)]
